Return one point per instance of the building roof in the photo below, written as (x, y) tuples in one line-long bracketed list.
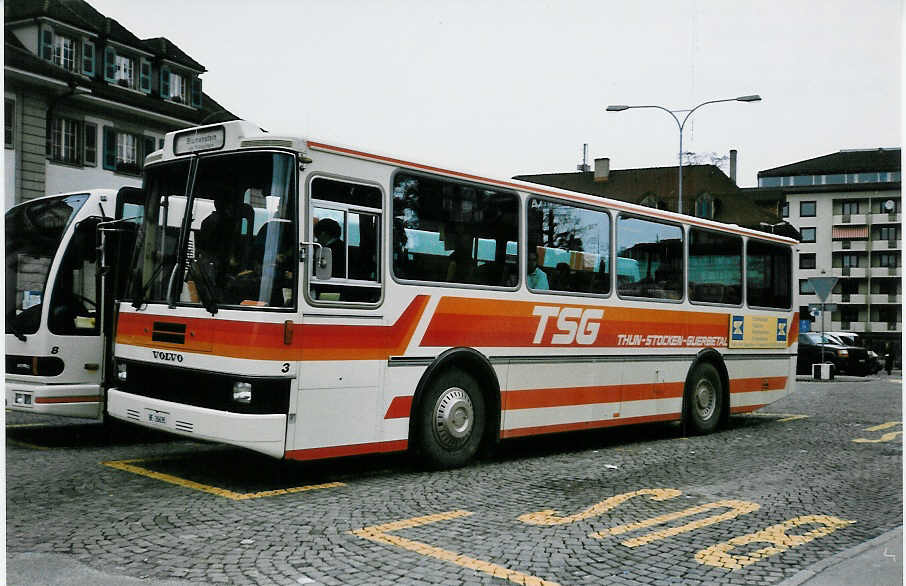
[(80, 14), (846, 161)]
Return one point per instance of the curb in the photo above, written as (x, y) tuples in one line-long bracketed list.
[(807, 574)]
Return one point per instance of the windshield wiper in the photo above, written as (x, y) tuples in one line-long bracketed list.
[(204, 284), (140, 295)]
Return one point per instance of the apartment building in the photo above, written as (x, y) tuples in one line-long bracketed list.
[(847, 208), (85, 99)]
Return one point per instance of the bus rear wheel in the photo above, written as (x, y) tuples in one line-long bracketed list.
[(451, 420), (704, 399)]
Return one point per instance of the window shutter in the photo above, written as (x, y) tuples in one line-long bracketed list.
[(109, 148), (46, 43), (147, 149), (110, 64), (144, 75), (196, 92), (91, 144), (164, 82), (88, 58)]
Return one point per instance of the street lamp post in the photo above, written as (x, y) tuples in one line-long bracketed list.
[(681, 125)]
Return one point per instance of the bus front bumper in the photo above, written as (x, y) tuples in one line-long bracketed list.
[(260, 433), (78, 400)]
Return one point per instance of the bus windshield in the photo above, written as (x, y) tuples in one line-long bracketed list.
[(34, 231), (238, 243)]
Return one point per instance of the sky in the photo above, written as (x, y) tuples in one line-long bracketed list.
[(514, 87)]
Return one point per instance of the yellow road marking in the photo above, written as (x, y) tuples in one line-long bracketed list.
[(718, 555), (885, 437), (785, 416), (20, 425), (379, 534), (550, 517), (25, 445), (129, 466), (736, 507)]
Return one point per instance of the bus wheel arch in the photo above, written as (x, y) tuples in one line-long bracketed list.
[(455, 369), (706, 394)]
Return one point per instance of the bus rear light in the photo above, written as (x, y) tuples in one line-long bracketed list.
[(242, 392)]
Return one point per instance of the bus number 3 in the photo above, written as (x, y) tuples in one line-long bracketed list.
[(574, 324)]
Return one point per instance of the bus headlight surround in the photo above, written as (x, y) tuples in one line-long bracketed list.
[(242, 392), (122, 372)]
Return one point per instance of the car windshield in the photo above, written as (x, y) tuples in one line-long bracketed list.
[(815, 338), (239, 244), (34, 231)]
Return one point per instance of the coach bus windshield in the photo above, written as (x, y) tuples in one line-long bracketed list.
[(34, 231), (237, 247)]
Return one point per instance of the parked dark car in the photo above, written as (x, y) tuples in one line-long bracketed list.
[(846, 359), (875, 363)]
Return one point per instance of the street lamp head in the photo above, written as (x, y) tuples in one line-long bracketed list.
[(752, 98), (617, 108)]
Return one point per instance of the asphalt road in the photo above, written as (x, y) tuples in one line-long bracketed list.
[(763, 499)]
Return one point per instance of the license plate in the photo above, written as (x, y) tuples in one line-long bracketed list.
[(157, 417)]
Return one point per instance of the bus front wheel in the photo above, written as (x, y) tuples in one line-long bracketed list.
[(451, 420), (704, 399)]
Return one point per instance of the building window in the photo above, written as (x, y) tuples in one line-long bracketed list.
[(805, 287), (888, 259), (177, 88), (124, 152), (850, 260), (888, 233), (91, 144), (704, 206), (9, 122), (64, 139), (849, 313), (785, 209), (124, 71), (808, 234), (807, 209), (64, 52), (807, 261), (850, 208)]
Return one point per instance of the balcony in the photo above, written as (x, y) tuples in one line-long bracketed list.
[(885, 299), (853, 272), (851, 219), (851, 299), (883, 326), (843, 326), (884, 271), (893, 218), (883, 245), (850, 245)]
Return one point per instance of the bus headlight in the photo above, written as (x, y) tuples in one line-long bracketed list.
[(242, 392), (122, 372)]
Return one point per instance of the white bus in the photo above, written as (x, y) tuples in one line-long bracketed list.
[(55, 343), (341, 302)]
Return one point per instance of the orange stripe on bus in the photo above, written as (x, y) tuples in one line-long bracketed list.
[(264, 341), (747, 408), (350, 450), (542, 429), (74, 399), (759, 383)]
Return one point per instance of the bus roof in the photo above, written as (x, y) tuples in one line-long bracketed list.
[(241, 134)]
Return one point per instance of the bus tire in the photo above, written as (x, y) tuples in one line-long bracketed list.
[(704, 398), (452, 420)]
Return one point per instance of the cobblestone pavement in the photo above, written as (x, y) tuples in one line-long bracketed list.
[(755, 503)]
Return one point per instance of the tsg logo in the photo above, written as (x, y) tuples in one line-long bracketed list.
[(167, 356), (574, 324)]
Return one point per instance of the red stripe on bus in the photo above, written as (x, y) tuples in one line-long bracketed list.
[(400, 407), (350, 450), (74, 399), (792, 335), (759, 383), (536, 189), (265, 341), (542, 429), (747, 408)]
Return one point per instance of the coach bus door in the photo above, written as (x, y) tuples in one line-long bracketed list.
[(116, 243)]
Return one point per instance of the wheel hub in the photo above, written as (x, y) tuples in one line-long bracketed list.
[(705, 400), (453, 417)]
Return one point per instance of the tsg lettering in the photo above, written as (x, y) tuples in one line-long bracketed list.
[(167, 356), (574, 324)]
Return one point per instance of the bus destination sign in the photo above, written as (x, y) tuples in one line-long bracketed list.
[(195, 141)]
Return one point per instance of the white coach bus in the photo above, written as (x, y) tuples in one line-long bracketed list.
[(340, 302)]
